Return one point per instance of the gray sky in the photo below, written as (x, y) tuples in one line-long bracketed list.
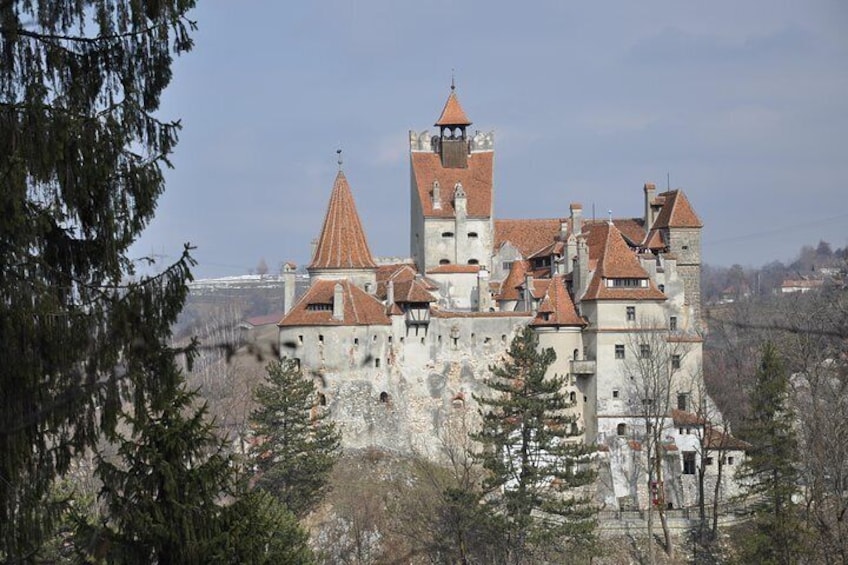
[(744, 104)]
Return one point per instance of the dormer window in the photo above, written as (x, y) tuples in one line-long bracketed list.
[(627, 283), (447, 234), (319, 307)]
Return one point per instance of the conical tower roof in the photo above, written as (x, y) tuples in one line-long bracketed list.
[(342, 244), (452, 113)]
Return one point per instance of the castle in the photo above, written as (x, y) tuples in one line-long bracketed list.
[(396, 350)]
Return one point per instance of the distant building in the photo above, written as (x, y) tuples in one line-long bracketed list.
[(399, 349)]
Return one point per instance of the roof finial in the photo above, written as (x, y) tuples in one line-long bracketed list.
[(339, 161), (610, 216), (453, 82)]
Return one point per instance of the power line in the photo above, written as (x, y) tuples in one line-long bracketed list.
[(782, 229)]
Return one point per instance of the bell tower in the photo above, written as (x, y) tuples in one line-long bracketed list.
[(452, 142)]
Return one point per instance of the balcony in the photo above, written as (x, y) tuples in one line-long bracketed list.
[(583, 368)]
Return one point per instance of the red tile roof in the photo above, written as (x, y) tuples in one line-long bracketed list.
[(342, 244), (528, 236), (676, 212), (412, 291), (557, 308), (476, 180), (617, 261), (684, 418), (360, 308), (515, 278), (718, 439), (452, 269), (452, 113)]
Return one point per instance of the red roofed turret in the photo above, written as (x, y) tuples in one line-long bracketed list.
[(452, 113), (342, 245)]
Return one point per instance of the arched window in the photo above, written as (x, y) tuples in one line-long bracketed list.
[(384, 397), (622, 429), (444, 261), (473, 262), (447, 234), (572, 397)]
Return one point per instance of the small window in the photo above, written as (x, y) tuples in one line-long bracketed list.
[(644, 350), (300, 339), (685, 247), (322, 400), (619, 351), (487, 340), (575, 429), (356, 341), (296, 362), (473, 262), (444, 261), (506, 265), (390, 339), (730, 460), (320, 338), (422, 341), (688, 462), (631, 313), (708, 461), (662, 288), (377, 362), (447, 234), (675, 361), (384, 397), (572, 397), (672, 323), (374, 338), (503, 338), (615, 393), (621, 429), (472, 235)]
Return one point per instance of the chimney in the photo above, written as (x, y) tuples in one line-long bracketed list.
[(338, 302), (289, 283), (570, 253), (459, 202), (563, 230), (390, 294), (650, 189), (437, 196), (528, 293), (484, 298), (576, 218), (581, 274)]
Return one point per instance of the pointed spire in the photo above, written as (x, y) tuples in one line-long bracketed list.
[(342, 244), (452, 113)]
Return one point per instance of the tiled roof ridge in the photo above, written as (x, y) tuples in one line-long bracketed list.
[(342, 244), (617, 260), (558, 303), (452, 114), (677, 212)]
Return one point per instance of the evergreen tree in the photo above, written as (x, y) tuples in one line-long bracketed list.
[(162, 493), (535, 467), (296, 443), (770, 469), (81, 153), (261, 530)]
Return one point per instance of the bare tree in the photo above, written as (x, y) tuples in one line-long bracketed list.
[(655, 365)]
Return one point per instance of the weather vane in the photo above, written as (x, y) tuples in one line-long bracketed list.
[(339, 153)]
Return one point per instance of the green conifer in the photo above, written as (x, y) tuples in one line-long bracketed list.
[(535, 462), (296, 444)]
